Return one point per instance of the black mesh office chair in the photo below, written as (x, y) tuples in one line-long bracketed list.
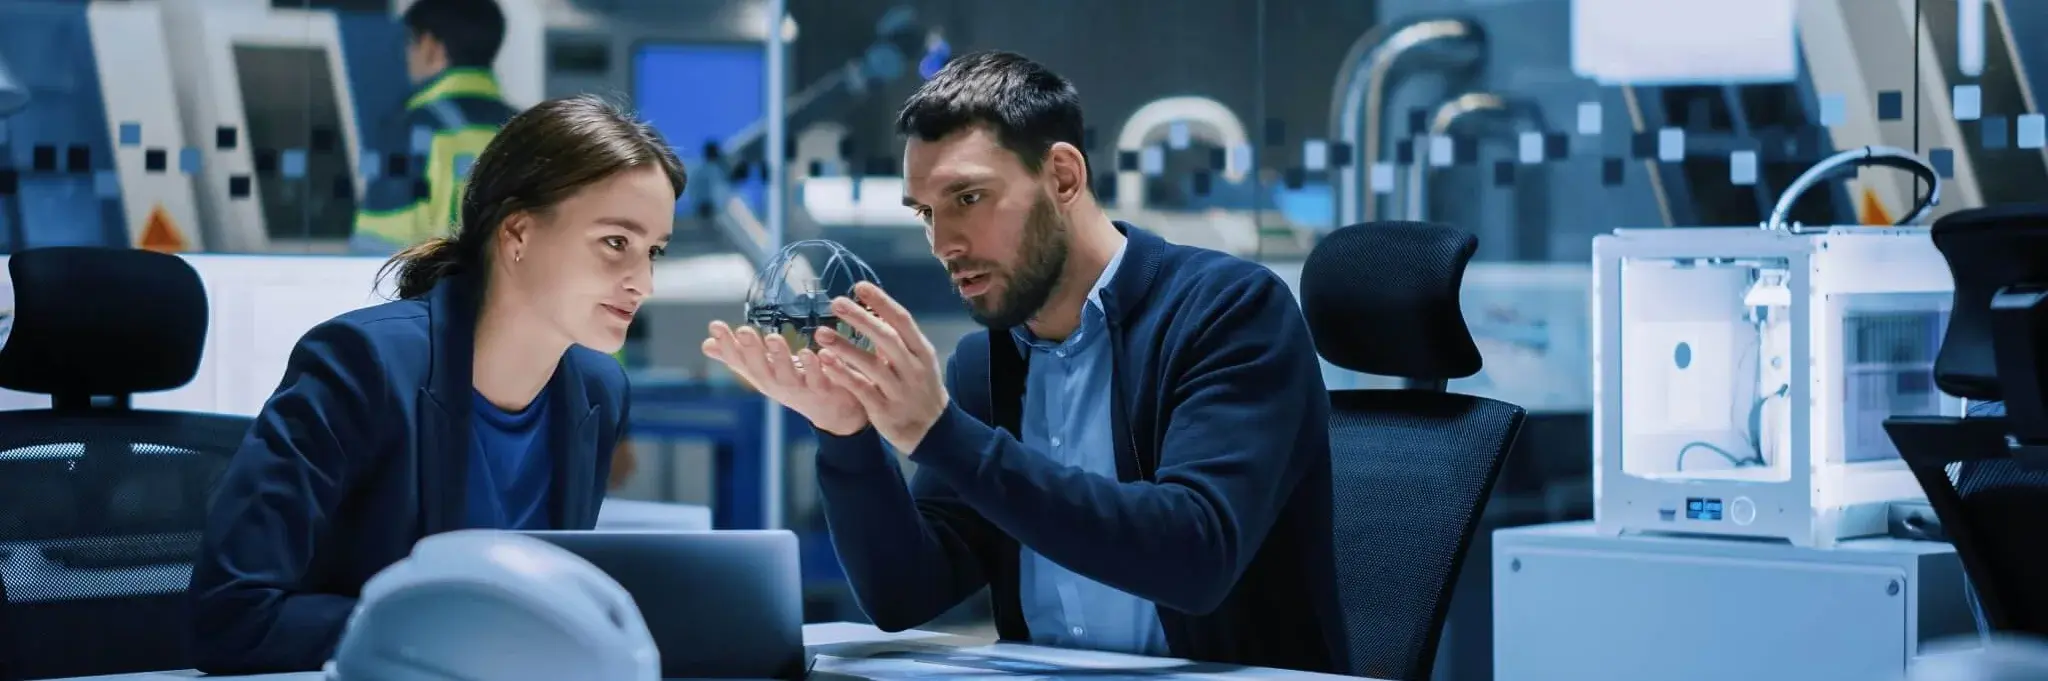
[(1986, 477), (1411, 467), (101, 505)]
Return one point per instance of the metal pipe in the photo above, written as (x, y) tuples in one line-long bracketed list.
[(1414, 203), (1359, 99), (898, 38), (1880, 156), (773, 453)]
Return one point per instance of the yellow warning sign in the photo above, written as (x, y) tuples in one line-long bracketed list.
[(1870, 210), (160, 234)]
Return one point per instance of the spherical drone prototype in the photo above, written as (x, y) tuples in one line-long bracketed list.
[(792, 294)]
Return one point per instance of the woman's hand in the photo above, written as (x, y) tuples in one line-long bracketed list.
[(790, 380)]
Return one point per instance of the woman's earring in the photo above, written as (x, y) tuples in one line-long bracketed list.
[(516, 256)]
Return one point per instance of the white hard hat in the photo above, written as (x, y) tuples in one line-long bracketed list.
[(485, 605)]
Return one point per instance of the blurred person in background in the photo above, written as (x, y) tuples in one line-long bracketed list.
[(454, 111)]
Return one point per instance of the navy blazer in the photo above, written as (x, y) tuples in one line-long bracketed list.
[(361, 452)]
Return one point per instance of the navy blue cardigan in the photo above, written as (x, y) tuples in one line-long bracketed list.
[(1221, 511)]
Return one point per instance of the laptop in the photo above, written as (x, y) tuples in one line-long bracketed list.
[(722, 604)]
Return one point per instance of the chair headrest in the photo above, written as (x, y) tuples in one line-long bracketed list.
[(1987, 249), (102, 321), (1382, 298)]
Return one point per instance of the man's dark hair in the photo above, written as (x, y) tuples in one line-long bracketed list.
[(1027, 105), (471, 30)]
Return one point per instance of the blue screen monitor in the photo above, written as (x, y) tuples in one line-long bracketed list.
[(702, 93)]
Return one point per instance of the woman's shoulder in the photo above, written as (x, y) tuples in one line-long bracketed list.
[(602, 375), (388, 335)]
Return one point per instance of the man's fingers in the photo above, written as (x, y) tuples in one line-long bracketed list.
[(753, 356), (874, 368), (807, 367), (862, 387), (889, 343), (888, 352), (778, 359), (887, 308)]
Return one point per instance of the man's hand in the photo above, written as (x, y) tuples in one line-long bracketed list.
[(791, 381), (897, 382)]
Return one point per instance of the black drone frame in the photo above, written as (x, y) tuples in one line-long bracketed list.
[(774, 304)]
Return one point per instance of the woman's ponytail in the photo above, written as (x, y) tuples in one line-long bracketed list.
[(423, 266)]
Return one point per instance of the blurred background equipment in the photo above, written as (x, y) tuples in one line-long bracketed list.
[(13, 94), (232, 133)]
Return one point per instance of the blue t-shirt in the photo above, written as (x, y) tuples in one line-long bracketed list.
[(510, 472)]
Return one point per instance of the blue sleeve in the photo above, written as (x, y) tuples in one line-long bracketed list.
[(252, 610), (910, 552), (1228, 462)]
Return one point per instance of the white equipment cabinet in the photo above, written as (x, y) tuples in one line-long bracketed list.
[(1573, 603)]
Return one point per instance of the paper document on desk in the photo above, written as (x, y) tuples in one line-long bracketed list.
[(959, 666), (1037, 663)]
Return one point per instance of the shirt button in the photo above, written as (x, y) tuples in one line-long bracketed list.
[(1055, 442), (1077, 631)]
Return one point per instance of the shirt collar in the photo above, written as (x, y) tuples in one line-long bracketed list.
[(1090, 312), (1108, 274)]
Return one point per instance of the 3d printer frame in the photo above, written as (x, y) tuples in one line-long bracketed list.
[(1822, 495)]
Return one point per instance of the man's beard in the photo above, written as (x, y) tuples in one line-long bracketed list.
[(1026, 288)]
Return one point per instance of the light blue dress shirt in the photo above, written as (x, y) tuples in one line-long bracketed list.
[(1067, 416)]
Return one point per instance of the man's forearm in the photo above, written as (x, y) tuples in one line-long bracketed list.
[(1157, 542), (908, 559)]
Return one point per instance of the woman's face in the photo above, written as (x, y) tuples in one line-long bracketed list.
[(586, 265)]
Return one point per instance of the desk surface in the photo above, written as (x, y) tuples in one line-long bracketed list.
[(858, 651)]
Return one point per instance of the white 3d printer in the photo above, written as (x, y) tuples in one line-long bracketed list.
[(1742, 375)]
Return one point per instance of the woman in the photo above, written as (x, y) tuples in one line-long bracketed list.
[(483, 397)]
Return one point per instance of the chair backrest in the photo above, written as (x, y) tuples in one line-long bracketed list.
[(1993, 507), (1992, 503), (102, 505), (1411, 468)]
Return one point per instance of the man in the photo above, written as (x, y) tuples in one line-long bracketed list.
[(455, 110), (1133, 457)]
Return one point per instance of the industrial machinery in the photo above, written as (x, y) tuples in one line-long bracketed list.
[(1375, 65), (1488, 115), (1742, 375), (723, 177), (254, 83)]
